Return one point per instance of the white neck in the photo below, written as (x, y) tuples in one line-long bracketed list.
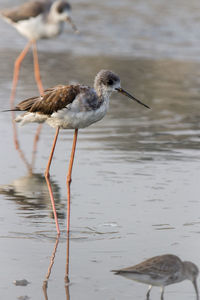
[(103, 92)]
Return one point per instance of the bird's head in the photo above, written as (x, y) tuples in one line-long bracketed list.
[(62, 12), (107, 82), (191, 272)]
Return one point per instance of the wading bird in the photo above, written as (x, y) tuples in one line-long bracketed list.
[(35, 20), (71, 107), (162, 271)]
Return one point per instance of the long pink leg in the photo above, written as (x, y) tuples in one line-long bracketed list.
[(41, 90), (47, 176), (69, 179), (18, 62), (16, 73), (37, 68)]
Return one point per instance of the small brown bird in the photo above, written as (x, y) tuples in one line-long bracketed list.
[(162, 271)]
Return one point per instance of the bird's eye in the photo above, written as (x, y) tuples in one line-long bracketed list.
[(63, 7), (60, 8), (110, 82)]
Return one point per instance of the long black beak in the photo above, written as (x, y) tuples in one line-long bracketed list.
[(196, 288), (69, 20), (120, 90)]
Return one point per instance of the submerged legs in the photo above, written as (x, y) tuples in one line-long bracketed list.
[(47, 177)]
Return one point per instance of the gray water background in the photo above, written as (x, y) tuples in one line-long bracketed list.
[(135, 188)]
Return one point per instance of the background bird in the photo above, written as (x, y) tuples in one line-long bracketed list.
[(35, 20)]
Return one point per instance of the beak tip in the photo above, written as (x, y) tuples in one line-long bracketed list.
[(122, 91)]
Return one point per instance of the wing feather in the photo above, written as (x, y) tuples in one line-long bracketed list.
[(158, 266), (26, 11), (54, 99)]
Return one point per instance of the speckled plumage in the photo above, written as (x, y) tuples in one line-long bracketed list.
[(72, 106)]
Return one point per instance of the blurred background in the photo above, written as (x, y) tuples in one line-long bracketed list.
[(135, 184)]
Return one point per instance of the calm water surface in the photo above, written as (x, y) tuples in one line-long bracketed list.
[(135, 188)]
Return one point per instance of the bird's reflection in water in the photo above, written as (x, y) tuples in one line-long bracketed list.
[(45, 282), (31, 194), (67, 288), (48, 274), (67, 281)]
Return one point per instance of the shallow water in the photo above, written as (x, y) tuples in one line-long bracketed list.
[(152, 28), (135, 188)]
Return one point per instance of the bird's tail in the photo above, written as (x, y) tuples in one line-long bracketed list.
[(116, 271), (23, 105), (6, 110), (26, 104)]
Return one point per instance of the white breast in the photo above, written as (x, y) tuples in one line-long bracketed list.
[(36, 28), (144, 278), (69, 119)]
